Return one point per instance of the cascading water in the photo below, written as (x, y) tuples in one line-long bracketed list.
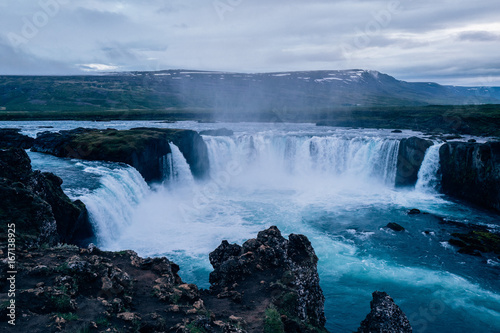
[(175, 168), (429, 179), (336, 187), (330, 156), (112, 205)]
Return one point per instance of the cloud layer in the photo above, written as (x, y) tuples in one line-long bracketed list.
[(449, 42)]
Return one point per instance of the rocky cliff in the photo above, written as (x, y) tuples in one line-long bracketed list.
[(142, 148), (270, 265), (36, 204), (471, 171), (410, 157)]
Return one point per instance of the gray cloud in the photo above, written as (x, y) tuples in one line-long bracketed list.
[(479, 36), (415, 40)]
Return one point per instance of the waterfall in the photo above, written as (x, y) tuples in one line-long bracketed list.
[(111, 205), (329, 156), (175, 168), (429, 179)]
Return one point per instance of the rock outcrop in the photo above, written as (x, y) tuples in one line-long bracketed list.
[(11, 138), (270, 265), (85, 290), (410, 157), (471, 171), (36, 204), (142, 148), (385, 316)]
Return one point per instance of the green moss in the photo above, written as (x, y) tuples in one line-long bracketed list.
[(62, 303), (192, 327), (68, 316), (272, 322)]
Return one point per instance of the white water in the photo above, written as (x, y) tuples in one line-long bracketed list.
[(175, 168), (337, 190), (112, 205), (272, 158), (429, 179)]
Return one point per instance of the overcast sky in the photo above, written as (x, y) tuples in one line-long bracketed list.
[(445, 41)]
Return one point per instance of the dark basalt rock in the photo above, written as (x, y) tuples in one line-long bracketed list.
[(410, 157), (471, 171), (11, 138), (476, 241), (395, 227), (271, 265), (74, 290), (36, 204), (142, 148), (218, 132), (414, 211), (385, 316)]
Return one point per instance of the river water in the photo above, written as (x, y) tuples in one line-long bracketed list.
[(336, 186)]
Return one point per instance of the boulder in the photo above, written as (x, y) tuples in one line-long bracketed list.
[(410, 157), (385, 316), (471, 171), (395, 227)]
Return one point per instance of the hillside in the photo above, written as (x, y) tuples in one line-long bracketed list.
[(228, 92)]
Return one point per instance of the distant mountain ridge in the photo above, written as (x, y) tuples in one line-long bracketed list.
[(230, 92)]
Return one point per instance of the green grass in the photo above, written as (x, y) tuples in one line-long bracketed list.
[(272, 322)]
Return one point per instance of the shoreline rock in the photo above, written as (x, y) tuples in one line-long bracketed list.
[(36, 204)]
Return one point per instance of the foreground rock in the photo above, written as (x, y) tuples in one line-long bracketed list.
[(143, 148), (269, 282), (34, 202), (385, 316), (85, 290), (410, 157), (471, 171)]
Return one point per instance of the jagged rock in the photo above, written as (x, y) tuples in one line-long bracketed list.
[(385, 316), (410, 157), (271, 265), (142, 148), (471, 171), (11, 138), (218, 132), (36, 204)]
